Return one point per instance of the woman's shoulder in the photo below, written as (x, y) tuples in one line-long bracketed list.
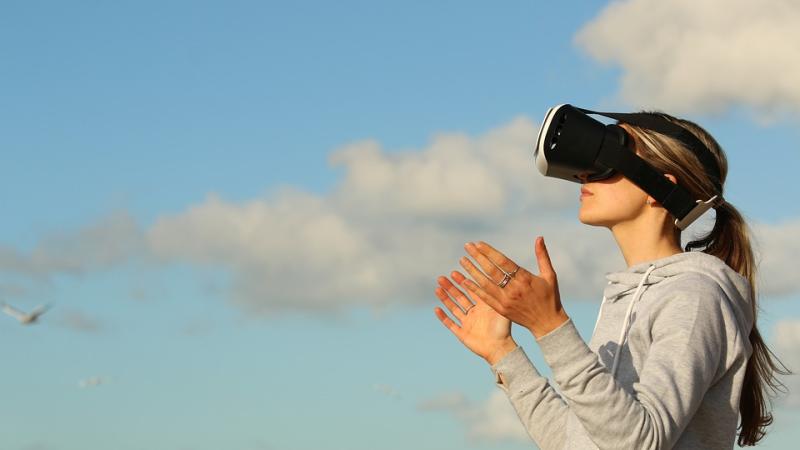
[(691, 281), (702, 273), (711, 292)]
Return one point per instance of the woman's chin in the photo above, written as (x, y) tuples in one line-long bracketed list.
[(586, 218)]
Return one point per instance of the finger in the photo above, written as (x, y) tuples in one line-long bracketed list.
[(482, 280), (543, 260), (448, 322), (448, 303), (478, 293), (460, 299), (494, 273), (459, 278), (497, 257)]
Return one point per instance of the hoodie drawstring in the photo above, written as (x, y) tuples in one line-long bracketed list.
[(600, 314), (624, 331)]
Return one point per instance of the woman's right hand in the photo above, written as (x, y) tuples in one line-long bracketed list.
[(482, 330)]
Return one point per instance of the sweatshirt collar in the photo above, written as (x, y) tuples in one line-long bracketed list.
[(623, 282)]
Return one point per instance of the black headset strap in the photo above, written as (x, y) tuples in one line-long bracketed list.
[(659, 124), (673, 197)]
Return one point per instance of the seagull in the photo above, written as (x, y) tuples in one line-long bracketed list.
[(92, 382), (25, 318)]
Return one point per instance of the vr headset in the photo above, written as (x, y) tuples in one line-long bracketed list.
[(573, 146)]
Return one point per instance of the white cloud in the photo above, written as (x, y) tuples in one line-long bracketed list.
[(493, 420), (291, 252), (454, 177), (777, 248), (701, 56), (114, 239), (787, 348), (394, 223)]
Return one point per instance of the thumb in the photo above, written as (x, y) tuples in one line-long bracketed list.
[(543, 259)]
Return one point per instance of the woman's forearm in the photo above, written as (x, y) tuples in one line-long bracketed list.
[(540, 408)]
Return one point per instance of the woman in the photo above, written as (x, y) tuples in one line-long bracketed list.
[(676, 357)]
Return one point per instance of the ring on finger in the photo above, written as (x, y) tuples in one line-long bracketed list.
[(505, 281), (512, 273)]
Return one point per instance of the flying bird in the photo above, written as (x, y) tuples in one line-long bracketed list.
[(92, 382), (23, 317)]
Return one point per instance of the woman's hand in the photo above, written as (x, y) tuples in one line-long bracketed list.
[(529, 300), (482, 330)]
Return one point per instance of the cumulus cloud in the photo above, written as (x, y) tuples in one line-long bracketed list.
[(109, 242), (454, 177), (777, 247), (394, 222), (490, 421), (701, 56), (787, 347)]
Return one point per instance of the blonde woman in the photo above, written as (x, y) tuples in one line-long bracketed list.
[(675, 360)]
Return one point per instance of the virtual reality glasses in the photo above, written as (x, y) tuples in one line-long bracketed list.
[(575, 147)]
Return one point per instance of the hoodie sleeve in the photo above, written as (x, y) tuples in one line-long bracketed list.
[(540, 408), (688, 335)]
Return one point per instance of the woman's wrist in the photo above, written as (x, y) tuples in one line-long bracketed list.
[(504, 348), (543, 329)]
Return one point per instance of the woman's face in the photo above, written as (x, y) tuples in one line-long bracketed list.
[(611, 201)]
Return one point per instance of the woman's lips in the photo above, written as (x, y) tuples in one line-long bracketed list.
[(585, 192)]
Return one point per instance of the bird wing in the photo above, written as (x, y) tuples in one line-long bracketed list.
[(13, 312), (39, 310)]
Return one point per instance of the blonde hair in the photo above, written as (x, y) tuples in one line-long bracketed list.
[(729, 240)]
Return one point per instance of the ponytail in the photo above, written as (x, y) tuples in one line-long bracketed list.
[(729, 241)]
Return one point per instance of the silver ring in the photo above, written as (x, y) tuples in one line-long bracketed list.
[(506, 279), (513, 272), (507, 276)]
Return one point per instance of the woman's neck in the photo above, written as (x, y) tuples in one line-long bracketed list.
[(643, 240)]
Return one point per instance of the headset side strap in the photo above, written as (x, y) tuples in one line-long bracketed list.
[(673, 197)]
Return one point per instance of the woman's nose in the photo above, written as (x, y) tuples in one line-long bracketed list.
[(583, 177)]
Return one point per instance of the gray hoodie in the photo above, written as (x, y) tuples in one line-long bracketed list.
[(683, 323)]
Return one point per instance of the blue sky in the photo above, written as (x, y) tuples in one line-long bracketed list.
[(161, 162)]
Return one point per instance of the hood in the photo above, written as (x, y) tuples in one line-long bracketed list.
[(623, 282), (638, 277)]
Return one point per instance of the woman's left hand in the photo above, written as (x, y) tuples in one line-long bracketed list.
[(529, 300)]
